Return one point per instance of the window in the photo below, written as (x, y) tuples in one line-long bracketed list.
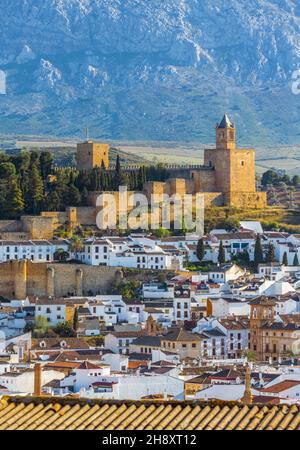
[(267, 348)]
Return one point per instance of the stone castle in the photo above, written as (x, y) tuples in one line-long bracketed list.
[(227, 178)]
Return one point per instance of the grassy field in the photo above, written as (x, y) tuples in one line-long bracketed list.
[(271, 217)]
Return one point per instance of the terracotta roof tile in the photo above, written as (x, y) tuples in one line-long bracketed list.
[(21, 413)]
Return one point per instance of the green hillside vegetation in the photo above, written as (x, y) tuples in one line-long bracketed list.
[(272, 218)]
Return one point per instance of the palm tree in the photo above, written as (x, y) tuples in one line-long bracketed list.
[(77, 246), (61, 255)]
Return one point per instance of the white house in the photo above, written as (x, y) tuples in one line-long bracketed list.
[(136, 387), (226, 273), (57, 310), (84, 376), (23, 380), (227, 306), (157, 290), (119, 341)]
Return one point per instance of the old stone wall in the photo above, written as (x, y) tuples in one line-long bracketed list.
[(19, 279), (255, 200), (38, 227)]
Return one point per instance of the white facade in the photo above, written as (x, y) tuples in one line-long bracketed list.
[(182, 308), (135, 387), (223, 307), (38, 251), (23, 381), (84, 378), (54, 313), (157, 290), (119, 342), (139, 253)]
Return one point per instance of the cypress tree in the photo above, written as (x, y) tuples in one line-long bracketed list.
[(296, 260), (285, 259), (84, 197), (14, 200), (46, 164), (200, 251), (120, 178), (258, 253), (53, 202), (74, 197), (221, 256), (270, 257), (75, 320), (35, 191)]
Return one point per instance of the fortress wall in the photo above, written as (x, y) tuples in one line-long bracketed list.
[(36, 284), (38, 227), (213, 199), (255, 200), (204, 180), (14, 236), (19, 279), (7, 279), (86, 215), (10, 226)]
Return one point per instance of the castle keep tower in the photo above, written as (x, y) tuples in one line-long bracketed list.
[(234, 169), (92, 154)]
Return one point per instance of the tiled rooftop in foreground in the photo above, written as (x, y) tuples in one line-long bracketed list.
[(29, 413)]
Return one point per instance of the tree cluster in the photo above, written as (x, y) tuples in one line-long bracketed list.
[(29, 184), (272, 178)]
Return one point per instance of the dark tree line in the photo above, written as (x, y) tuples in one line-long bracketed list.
[(271, 178), (29, 184)]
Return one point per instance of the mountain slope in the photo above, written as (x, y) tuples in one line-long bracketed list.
[(151, 70)]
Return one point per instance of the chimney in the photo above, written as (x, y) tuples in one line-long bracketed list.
[(37, 380), (247, 397)]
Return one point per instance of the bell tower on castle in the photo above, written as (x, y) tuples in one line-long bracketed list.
[(234, 168), (225, 134)]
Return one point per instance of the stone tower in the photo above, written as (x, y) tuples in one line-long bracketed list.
[(262, 310), (92, 154), (225, 134), (151, 327), (234, 168)]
